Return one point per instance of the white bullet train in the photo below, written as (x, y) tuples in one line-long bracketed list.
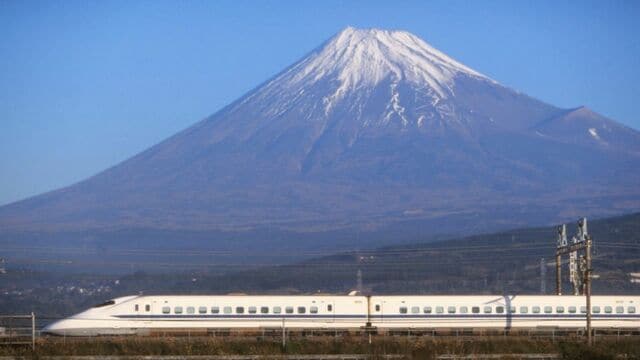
[(143, 315)]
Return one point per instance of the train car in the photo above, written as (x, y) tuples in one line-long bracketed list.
[(148, 314), (503, 312)]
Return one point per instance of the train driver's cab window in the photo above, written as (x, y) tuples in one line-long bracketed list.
[(572, 309), (313, 309), (253, 310), (136, 307), (147, 308), (264, 310), (177, 310), (215, 309), (619, 309), (439, 310), (166, 309), (427, 310), (524, 309), (487, 309), (464, 309), (302, 309), (595, 309), (415, 309), (608, 309), (403, 309), (239, 309), (560, 309), (289, 309), (583, 309), (451, 309), (377, 307), (191, 310), (631, 309), (548, 309), (475, 309), (500, 309), (202, 309), (227, 310), (329, 308), (277, 309), (535, 309)]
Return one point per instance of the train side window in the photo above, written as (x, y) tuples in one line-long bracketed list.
[(202, 309), (572, 309), (403, 309), (215, 309), (583, 309), (608, 309), (191, 310), (559, 309), (524, 309), (227, 310), (595, 309), (475, 309), (631, 309), (166, 309), (239, 309), (136, 307), (451, 309), (313, 309), (147, 308), (439, 309), (253, 310), (535, 309), (512, 309), (177, 309), (427, 310), (464, 309), (377, 307), (264, 310), (277, 309), (302, 309), (415, 309), (619, 309), (548, 309), (329, 308), (499, 309), (289, 309), (487, 309)]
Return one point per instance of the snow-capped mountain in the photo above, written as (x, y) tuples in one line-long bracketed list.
[(372, 129)]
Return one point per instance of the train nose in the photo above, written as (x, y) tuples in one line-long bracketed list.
[(55, 328)]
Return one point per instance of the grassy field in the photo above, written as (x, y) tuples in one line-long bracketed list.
[(407, 347)]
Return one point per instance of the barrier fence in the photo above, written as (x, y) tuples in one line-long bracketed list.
[(18, 330)]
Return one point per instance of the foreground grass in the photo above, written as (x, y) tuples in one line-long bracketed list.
[(410, 348)]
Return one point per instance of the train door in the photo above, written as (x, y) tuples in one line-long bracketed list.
[(376, 310)]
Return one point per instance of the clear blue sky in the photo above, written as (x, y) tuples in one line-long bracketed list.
[(86, 84)]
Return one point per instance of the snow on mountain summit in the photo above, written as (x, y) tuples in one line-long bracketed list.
[(355, 63)]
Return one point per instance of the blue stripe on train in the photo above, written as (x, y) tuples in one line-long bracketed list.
[(378, 317)]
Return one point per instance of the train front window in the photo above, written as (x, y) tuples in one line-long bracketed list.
[(106, 303)]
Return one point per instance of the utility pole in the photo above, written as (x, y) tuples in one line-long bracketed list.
[(359, 282), (543, 277), (582, 241)]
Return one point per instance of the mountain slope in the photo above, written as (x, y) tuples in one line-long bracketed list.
[(372, 129)]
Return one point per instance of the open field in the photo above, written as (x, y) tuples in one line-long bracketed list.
[(406, 347)]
